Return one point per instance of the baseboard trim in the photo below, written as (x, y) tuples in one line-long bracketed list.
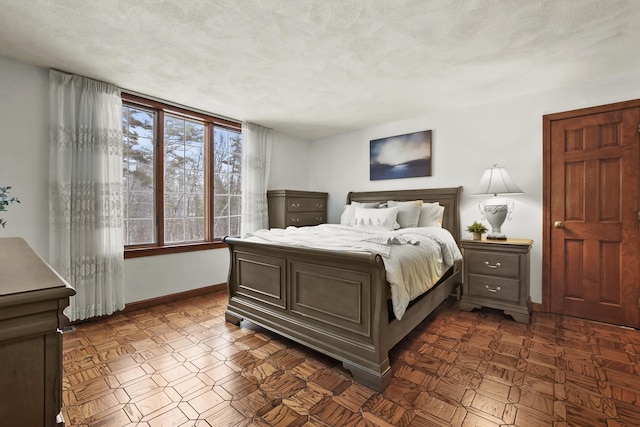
[(137, 305)]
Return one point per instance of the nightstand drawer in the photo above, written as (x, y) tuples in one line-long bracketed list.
[(494, 287), (493, 263), (307, 218), (305, 204)]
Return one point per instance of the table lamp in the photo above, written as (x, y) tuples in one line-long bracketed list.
[(497, 181)]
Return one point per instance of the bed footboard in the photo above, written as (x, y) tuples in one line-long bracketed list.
[(332, 302)]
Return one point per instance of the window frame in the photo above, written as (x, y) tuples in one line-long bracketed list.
[(210, 121)]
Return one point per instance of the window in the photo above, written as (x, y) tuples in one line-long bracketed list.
[(182, 175)]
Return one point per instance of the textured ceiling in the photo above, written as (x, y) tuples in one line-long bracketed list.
[(314, 68)]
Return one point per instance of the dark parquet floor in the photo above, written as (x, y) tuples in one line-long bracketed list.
[(180, 364)]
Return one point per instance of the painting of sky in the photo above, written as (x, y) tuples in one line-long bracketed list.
[(402, 156)]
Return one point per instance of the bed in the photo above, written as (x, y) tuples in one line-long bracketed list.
[(335, 302)]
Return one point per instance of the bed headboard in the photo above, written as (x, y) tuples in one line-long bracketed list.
[(447, 197)]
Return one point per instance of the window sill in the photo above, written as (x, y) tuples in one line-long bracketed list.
[(144, 251)]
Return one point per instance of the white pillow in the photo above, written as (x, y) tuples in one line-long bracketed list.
[(431, 215), (408, 212), (384, 219), (349, 211), (347, 215)]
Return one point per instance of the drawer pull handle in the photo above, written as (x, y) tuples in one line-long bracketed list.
[(492, 290), (319, 218), (295, 219), (319, 205), (492, 266), (295, 205)]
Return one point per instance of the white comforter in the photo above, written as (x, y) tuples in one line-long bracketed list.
[(414, 258)]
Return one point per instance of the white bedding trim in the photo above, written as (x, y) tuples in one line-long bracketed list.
[(414, 258)]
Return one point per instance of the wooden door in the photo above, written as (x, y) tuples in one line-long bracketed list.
[(592, 213)]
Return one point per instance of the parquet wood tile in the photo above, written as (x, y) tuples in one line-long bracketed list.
[(181, 364)]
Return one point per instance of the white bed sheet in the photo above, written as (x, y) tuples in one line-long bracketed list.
[(414, 258)]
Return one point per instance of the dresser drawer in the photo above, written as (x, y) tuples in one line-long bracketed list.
[(305, 204), (493, 263), (493, 287), (306, 218)]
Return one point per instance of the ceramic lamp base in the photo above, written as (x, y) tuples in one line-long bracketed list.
[(496, 210)]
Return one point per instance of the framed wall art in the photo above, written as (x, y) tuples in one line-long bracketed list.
[(402, 156)]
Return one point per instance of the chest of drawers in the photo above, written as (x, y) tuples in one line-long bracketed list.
[(32, 297), (496, 275), (297, 208)]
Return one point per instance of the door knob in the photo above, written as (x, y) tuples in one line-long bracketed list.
[(558, 224)]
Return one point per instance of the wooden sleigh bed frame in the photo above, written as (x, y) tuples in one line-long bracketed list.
[(335, 302)]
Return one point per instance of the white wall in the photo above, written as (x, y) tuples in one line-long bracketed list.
[(289, 163), (465, 142), (24, 160), (155, 276), (24, 152)]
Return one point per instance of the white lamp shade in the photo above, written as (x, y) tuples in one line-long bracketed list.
[(496, 180)]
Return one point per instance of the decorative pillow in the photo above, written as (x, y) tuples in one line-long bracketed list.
[(408, 212), (384, 219), (349, 211), (431, 215)]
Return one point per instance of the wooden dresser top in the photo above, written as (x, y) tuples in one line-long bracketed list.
[(23, 271)]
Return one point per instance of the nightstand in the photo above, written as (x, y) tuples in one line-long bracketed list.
[(496, 275), (297, 208)]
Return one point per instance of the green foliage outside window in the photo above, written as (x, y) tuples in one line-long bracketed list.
[(194, 154)]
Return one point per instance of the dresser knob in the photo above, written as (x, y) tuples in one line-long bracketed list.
[(492, 266), (295, 205)]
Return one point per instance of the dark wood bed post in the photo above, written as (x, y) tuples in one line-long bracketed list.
[(381, 376)]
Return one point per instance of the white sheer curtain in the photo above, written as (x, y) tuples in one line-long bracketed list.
[(85, 192), (256, 158)]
